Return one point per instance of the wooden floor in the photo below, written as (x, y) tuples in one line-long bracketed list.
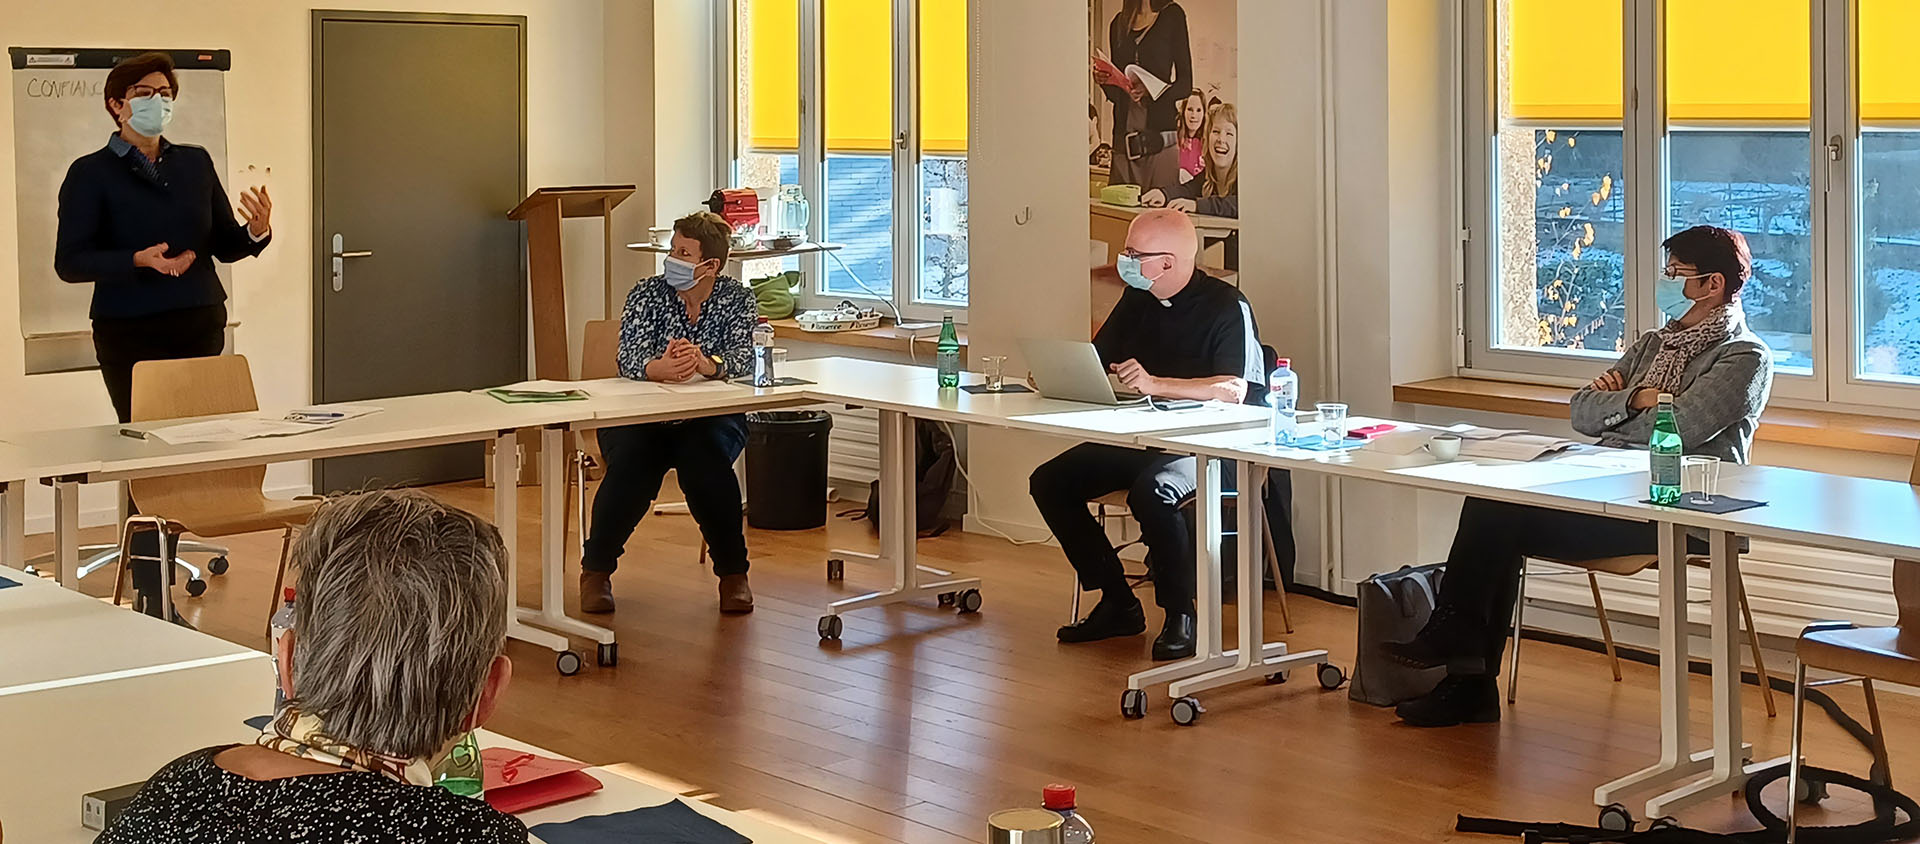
[(921, 721)]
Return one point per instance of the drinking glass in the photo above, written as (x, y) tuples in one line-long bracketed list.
[(994, 369), (1333, 421), (779, 357), (1699, 475)]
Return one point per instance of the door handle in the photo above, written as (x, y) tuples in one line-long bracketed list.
[(340, 256)]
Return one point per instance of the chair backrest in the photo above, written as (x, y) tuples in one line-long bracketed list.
[(600, 350), (175, 389), (1906, 594)]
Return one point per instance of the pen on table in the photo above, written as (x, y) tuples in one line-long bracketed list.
[(308, 416), (136, 434)]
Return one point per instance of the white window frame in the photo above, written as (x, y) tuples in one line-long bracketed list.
[(906, 155), (1834, 133)]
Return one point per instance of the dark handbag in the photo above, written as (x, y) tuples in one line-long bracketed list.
[(1394, 606), (936, 467)]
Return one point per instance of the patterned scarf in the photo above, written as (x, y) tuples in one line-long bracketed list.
[(1679, 346), (298, 734)]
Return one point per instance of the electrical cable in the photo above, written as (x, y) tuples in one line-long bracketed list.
[(973, 499)]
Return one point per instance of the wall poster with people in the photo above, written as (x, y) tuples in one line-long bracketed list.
[(1161, 115)]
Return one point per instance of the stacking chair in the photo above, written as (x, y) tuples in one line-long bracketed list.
[(1626, 566), (220, 503), (1865, 654)]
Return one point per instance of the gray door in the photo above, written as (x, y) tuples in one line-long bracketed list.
[(419, 152)]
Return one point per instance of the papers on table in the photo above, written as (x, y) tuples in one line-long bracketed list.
[(615, 387), (230, 430), (1142, 420), (328, 414), (1401, 442), (704, 387), (1521, 447)]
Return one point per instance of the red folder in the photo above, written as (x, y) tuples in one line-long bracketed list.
[(517, 782)]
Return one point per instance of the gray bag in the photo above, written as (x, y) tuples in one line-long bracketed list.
[(1394, 606)]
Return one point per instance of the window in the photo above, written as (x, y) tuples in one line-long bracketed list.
[(1795, 122), (902, 239)]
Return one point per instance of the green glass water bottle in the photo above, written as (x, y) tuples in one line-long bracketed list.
[(461, 772), (1664, 464), (947, 353)]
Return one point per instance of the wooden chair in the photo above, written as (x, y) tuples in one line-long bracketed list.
[(1865, 654), (1114, 505), (1626, 566), (599, 358), (224, 502)]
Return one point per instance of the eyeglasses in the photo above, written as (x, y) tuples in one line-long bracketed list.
[(1137, 254), (138, 91), (1676, 274)]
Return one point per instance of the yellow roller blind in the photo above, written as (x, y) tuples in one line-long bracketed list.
[(1889, 68), (857, 39), (1738, 59), (1563, 59)]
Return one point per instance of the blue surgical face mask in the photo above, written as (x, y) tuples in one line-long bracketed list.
[(1670, 296), (1130, 272), (150, 115), (679, 274)]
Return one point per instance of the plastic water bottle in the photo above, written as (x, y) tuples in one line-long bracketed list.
[(1664, 465), (763, 353), (1074, 829), (1283, 394), (462, 772), (278, 626), (947, 353)]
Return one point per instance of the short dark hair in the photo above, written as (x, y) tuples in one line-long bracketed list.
[(710, 229), (1712, 249), (130, 71)]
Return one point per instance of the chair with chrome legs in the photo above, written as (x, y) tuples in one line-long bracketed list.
[(220, 503), (1863, 655)]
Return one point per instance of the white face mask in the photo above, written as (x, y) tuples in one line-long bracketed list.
[(149, 115)]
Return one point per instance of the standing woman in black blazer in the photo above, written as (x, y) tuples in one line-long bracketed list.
[(143, 220)]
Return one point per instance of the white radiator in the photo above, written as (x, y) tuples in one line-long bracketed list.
[(853, 456)]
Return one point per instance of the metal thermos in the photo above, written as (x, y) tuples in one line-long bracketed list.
[(1024, 826)]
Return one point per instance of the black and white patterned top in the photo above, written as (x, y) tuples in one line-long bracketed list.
[(655, 316), (192, 799)]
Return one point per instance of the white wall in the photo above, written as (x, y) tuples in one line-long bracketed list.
[(269, 107)]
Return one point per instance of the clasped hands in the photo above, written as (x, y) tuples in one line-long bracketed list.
[(1642, 398), (682, 361)]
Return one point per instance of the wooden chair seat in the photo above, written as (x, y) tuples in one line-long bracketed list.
[(1626, 566), (267, 514), (1116, 499), (1883, 653)]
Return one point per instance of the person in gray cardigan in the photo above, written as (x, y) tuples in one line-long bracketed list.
[(1719, 375)]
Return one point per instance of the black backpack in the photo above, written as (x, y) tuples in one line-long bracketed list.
[(936, 467)]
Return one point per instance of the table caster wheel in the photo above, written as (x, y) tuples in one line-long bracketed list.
[(567, 662), (1812, 789), (217, 565), (1277, 678), (1133, 704), (830, 628), (947, 599), (1186, 711), (196, 587), (609, 655), (968, 601), (1331, 676), (1663, 823), (1615, 817), (836, 569)]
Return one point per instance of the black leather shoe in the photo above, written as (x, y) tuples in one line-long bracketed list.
[(1445, 633), (1176, 638), (1459, 699), (1109, 619)]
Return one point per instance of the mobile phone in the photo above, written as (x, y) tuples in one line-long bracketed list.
[(1369, 432)]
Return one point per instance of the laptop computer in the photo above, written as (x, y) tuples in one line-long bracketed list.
[(1071, 370)]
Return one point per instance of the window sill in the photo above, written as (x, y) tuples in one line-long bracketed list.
[(886, 338), (1825, 429)]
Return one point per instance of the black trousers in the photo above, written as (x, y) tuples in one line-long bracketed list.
[(1156, 483), (1492, 543), (702, 451), (121, 343)]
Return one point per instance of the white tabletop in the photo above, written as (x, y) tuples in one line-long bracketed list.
[(915, 390), (1861, 515), (103, 453), (710, 399), (1586, 479), (57, 636)]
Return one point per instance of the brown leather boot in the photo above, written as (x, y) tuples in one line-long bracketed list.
[(596, 591), (735, 596)]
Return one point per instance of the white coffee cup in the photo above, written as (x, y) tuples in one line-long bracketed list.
[(1444, 447)]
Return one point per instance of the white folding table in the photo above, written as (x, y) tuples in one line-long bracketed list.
[(1583, 481), (903, 393), (1860, 515)]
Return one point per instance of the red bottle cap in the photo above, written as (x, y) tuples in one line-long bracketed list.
[(1280, 362), (1057, 797), (287, 594)]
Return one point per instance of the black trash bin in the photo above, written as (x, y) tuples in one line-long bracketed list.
[(787, 469)]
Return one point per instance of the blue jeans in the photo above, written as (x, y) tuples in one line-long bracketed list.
[(702, 451)]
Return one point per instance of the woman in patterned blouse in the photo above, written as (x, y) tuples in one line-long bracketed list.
[(687, 324)]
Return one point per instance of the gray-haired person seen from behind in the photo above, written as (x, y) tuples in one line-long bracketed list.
[(395, 654)]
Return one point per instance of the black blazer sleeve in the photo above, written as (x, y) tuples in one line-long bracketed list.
[(79, 253)]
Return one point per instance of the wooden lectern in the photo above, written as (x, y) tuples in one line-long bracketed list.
[(546, 281)]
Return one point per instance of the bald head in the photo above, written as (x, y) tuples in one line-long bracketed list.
[(1168, 245)]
